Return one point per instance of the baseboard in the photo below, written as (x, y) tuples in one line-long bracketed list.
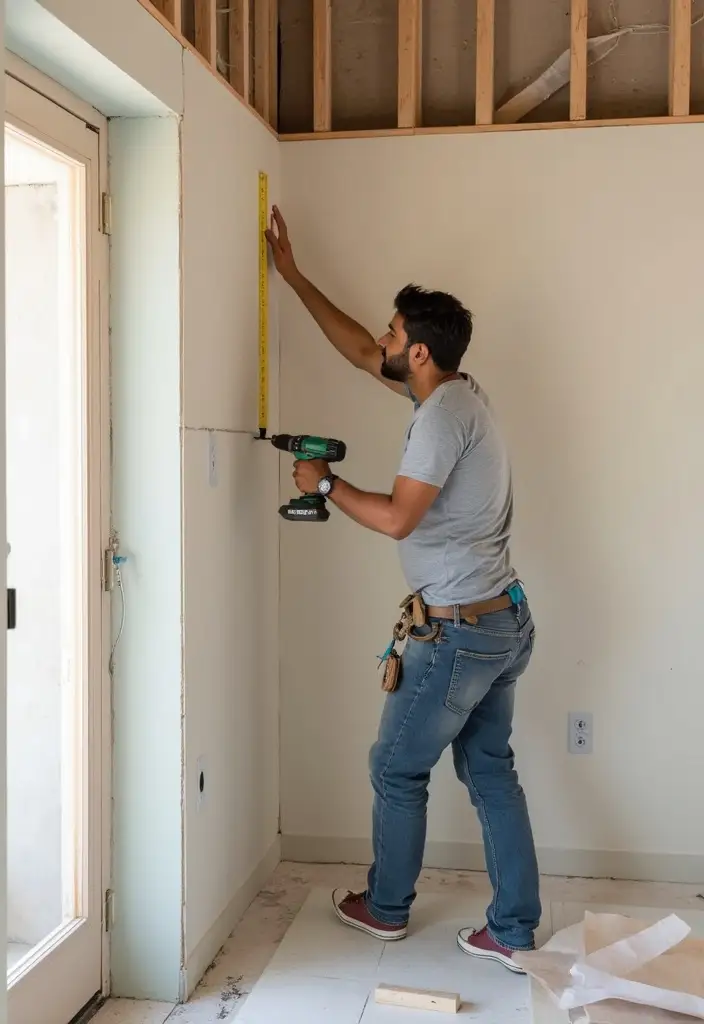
[(639, 867), (213, 941)]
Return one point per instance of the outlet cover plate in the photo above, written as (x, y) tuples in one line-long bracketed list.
[(580, 732)]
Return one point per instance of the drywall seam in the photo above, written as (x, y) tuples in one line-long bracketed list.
[(683, 868), (181, 343)]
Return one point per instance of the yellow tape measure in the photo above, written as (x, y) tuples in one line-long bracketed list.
[(263, 306)]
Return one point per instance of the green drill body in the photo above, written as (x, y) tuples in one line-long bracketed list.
[(311, 508)]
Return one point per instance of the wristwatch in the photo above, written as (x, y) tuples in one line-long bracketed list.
[(326, 484)]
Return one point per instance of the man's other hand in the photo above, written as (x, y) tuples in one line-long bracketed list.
[(281, 251), (307, 474)]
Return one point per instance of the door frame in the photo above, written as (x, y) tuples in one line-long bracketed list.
[(98, 448)]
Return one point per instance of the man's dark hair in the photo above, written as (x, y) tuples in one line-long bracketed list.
[(437, 320)]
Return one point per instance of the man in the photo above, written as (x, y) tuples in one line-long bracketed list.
[(450, 509)]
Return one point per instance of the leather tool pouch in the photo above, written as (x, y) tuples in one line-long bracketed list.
[(392, 673), (418, 612), (414, 616)]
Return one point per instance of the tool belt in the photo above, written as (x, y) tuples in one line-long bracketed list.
[(415, 614)]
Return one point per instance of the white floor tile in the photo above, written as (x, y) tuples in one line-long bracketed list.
[(318, 945), (279, 999), (323, 973), (131, 1011), (323, 968)]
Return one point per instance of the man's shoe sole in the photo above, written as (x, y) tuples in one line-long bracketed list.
[(369, 929), (488, 954)]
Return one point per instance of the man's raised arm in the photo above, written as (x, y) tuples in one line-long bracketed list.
[(350, 339)]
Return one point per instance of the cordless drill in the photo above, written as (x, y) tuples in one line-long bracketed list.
[(310, 508)]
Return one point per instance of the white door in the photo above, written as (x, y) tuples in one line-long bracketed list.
[(57, 532)]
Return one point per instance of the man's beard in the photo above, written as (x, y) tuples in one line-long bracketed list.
[(396, 368)]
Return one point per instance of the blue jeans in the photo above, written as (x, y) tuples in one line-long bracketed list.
[(457, 689)]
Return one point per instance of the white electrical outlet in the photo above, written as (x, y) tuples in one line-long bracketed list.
[(212, 458), (580, 734), (201, 782)]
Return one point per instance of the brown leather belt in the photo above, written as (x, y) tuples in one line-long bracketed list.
[(470, 612)]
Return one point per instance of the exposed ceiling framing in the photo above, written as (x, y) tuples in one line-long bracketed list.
[(329, 67)]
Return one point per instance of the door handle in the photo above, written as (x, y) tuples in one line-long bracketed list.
[(11, 608)]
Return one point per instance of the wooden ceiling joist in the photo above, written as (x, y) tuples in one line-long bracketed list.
[(410, 25), (171, 9), (680, 57), (486, 16), (266, 59), (238, 32), (207, 30), (322, 65), (578, 60)]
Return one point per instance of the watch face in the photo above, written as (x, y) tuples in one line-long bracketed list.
[(325, 485)]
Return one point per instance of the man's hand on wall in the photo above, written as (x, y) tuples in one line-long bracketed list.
[(277, 237)]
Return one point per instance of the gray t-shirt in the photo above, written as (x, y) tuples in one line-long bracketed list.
[(459, 552)]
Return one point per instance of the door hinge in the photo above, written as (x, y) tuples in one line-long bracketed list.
[(109, 910), (106, 214), (109, 570)]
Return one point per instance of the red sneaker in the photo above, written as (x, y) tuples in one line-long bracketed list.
[(352, 910), (480, 944)]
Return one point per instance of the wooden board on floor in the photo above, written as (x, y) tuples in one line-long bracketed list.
[(417, 998)]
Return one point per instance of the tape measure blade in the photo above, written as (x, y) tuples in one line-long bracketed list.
[(263, 409)]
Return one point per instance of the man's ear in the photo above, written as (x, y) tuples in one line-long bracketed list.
[(421, 354)]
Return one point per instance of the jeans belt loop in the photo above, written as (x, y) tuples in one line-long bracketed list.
[(457, 617)]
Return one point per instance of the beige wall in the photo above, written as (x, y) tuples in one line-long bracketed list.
[(230, 524), (579, 254)]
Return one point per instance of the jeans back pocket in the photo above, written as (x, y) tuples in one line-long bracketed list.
[(472, 678)]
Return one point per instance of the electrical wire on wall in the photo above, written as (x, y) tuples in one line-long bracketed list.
[(117, 562), (223, 66), (114, 570)]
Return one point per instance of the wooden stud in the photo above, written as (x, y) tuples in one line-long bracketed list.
[(578, 60), (239, 46), (322, 65), (171, 9), (207, 30), (273, 115), (485, 62), (262, 58), (410, 23), (680, 57), (417, 998)]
